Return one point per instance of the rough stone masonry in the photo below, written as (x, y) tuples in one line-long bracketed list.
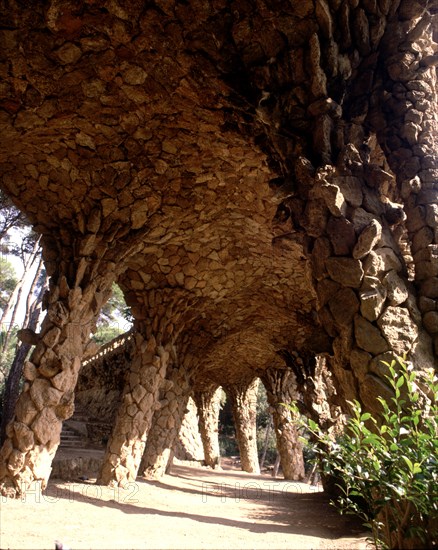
[(259, 177)]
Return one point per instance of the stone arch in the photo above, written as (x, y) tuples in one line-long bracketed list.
[(221, 172)]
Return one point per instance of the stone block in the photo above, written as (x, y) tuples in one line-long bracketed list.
[(343, 306), (326, 319), (372, 387), (6, 450), (361, 219), (346, 271), (430, 321), (397, 292), (368, 337), (426, 304), (422, 239), (16, 461), (342, 235), (138, 393), (29, 371), (321, 251), (399, 329), (326, 289), (368, 239), (315, 218), (351, 189), (24, 436), (43, 394), (132, 409), (372, 301), (46, 426), (334, 199), (381, 260), (416, 218), (25, 410), (429, 288), (426, 269), (65, 380), (359, 362)]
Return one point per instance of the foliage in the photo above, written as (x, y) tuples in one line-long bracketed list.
[(106, 333), (262, 408), (387, 470), (10, 217), (8, 280), (114, 319), (271, 448), (228, 445), (227, 436), (8, 356), (115, 311)]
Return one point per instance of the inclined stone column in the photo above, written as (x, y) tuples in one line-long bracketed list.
[(281, 388), (50, 378), (244, 403), (208, 404), (166, 423), (409, 105), (134, 417), (189, 443), (365, 302)]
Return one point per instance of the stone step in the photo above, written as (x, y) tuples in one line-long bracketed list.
[(77, 443), (74, 430), (79, 418), (70, 437), (70, 433)]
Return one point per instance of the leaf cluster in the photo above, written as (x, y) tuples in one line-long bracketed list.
[(386, 467)]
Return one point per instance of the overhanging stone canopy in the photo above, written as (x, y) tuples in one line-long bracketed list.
[(259, 177)]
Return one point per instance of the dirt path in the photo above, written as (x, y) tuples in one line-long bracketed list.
[(191, 508)]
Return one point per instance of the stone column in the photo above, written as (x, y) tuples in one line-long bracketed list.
[(281, 388), (166, 423), (244, 403), (408, 133), (134, 417), (208, 404), (189, 443), (50, 377), (365, 302)]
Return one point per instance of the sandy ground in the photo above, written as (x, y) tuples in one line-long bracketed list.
[(192, 507)]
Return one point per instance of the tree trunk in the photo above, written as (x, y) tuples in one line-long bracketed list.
[(15, 299), (265, 446), (276, 465), (12, 386)]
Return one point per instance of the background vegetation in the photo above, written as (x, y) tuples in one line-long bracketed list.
[(386, 467)]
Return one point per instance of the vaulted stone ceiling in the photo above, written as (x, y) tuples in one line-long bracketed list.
[(119, 126)]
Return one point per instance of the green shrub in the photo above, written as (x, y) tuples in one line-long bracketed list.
[(386, 469)]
